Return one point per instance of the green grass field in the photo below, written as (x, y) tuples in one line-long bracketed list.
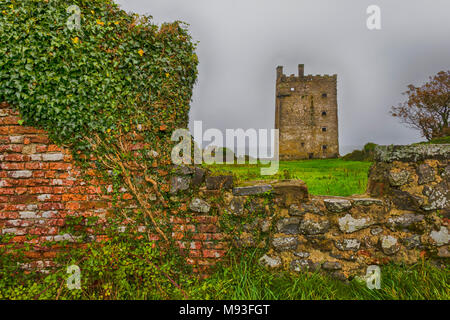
[(323, 177), (246, 279)]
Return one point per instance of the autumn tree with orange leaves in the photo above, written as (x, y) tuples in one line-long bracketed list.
[(428, 107)]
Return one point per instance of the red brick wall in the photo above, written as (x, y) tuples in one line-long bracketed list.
[(40, 185)]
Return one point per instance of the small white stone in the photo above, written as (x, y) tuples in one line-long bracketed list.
[(388, 242), (389, 245), (441, 237), (199, 205), (273, 262), (348, 224)]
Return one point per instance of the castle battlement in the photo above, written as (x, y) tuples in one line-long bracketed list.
[(281, 77)]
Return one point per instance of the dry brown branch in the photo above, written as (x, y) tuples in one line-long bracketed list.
[(115, 160)]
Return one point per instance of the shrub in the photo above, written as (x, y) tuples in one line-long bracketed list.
[(118, 70), (366, 154)]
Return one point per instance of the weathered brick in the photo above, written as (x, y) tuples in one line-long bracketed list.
[(7, 191), (11, 148), (40, 190), (184, 228), (195, 245), (59, 190), (21, 190), (60, 166), (39, 174), (210, 253), (46, 206), (207, 228), (54, 148), (24, 130), (9, 120), (50, 174), (180, 220), (74, 197), (39, 139), (31, 182), (44, 197), (19, 239), (23, 199), (16, 139), (52, 156), (18, 223), (49, 214), (16, 231), (35, 165), (14, 207), (206, 219), (195, 253), (72, 206), (12, 165), (36, 157), (41, 148), (28, 215), (7, 183), (8, 215), (16, 157), (20, 174)]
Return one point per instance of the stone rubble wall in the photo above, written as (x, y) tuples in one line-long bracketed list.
[(404, 217)]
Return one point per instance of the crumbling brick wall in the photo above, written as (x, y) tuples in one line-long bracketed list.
[(41, 186)]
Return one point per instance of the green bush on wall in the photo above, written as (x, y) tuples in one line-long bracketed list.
[(115, 72), (366, 154)]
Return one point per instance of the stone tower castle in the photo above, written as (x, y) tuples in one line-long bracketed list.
[(306, 115)]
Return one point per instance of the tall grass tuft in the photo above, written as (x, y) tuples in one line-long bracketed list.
[(244, 278)]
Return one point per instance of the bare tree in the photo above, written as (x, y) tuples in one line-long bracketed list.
[(428, 107)]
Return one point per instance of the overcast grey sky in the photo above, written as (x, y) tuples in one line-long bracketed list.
[(242, 41)]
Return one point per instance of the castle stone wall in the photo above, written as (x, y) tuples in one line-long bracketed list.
[(306, 115)]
